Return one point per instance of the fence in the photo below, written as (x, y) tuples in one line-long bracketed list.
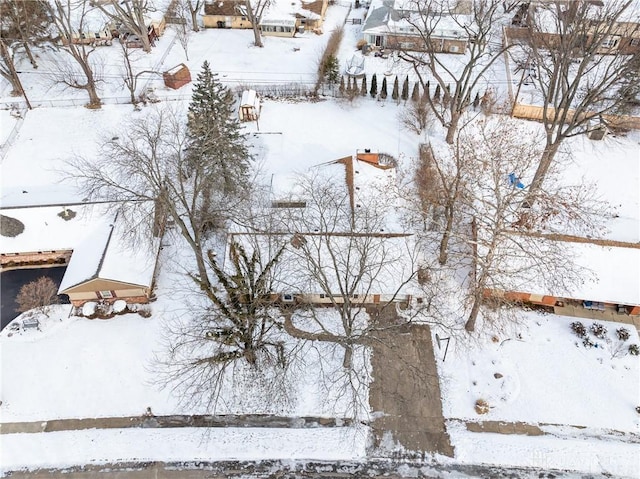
[(533, 112)]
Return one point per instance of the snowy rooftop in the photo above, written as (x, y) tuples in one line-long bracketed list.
[(106, 253), (45, 229)]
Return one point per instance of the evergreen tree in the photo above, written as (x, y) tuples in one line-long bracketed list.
[(341, 88), (383, 89), (349, 85), (364, 89), (215, 138), (415, 93), (374, 86), (395, 93), (331, 70), (405, 89), (436, 95)]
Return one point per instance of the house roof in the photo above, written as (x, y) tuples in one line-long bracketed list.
[(226, 8), (391, 17), (104, 252)]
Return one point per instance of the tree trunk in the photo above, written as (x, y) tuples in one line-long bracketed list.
[(546, 159), (257, 36), (452, 129), (444, 242), (348, 356), (94, 99), (470, 325), (32, 59), (194, 19)]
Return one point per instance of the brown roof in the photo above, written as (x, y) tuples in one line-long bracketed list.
[(226, 8), (315, 7)]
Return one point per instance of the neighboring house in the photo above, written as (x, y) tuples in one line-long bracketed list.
[(389, 24), (105, 267), (226, 14), (624, 35), (614, 290)]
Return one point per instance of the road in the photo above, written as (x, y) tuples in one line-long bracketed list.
[(373, 469), (11, 282)]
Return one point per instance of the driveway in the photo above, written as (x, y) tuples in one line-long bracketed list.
[(12, 281)]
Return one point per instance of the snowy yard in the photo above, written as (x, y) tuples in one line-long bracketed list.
[(539, 372), (542, 373)]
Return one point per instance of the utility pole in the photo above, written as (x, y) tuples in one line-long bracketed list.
[(12, 69)]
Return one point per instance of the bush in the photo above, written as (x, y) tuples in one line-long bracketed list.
[(39, 294), (598, 330), (578, 328), (634, 350), (361, 43), (482, 406), (622, 333), (588, 343)]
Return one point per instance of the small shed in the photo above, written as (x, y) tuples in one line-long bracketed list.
[(249, 106), (177, 77)]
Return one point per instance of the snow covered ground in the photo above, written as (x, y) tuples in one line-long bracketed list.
[(542, 373), (76, 367)]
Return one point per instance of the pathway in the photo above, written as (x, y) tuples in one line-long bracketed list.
[(406, 389)]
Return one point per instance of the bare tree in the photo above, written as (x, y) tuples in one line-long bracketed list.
[(69, 20), (39, 295), (238, 324), (502, 254), (581, 69), (459, 81), (25, 23), (8, 69), (130, 14), (255, 10), (193, 7), (130, 76), (341, 252)]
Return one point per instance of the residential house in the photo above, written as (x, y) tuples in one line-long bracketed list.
[(390, 24), (105, 267), (610, 285), (226, 14), (623, 35)]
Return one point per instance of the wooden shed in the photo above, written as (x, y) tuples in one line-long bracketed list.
[(177, 77), (249, 106)]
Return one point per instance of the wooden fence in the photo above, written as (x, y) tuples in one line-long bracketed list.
[(533, 112)]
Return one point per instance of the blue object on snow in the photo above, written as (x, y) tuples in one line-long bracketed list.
[(514, 180)]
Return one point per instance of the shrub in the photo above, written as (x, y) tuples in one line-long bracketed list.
[(39, 294), (588, 343), (383, 89), (598, 330), (634, 350), (482, 406), (395, 92), (374, 86), (622, 333), (578, 328), (361, 43)]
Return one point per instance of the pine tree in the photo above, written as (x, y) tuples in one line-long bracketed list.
[(215, 138), (436, 95), (374, 86), (341, 88), (405, 89), (415, 93), (395, 93), (383, 89), (348, 83), (363, 91)]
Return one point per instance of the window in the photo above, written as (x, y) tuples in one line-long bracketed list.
[(106, 294), (634, 42), (610, 42)]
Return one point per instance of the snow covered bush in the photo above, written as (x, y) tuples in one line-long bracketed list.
[(89, 309), (622, 333), (588, 343), (634, 350), (578, 328), (120, 306), (598, 330)]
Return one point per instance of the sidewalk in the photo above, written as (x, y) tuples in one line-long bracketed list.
[(150, 421)]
